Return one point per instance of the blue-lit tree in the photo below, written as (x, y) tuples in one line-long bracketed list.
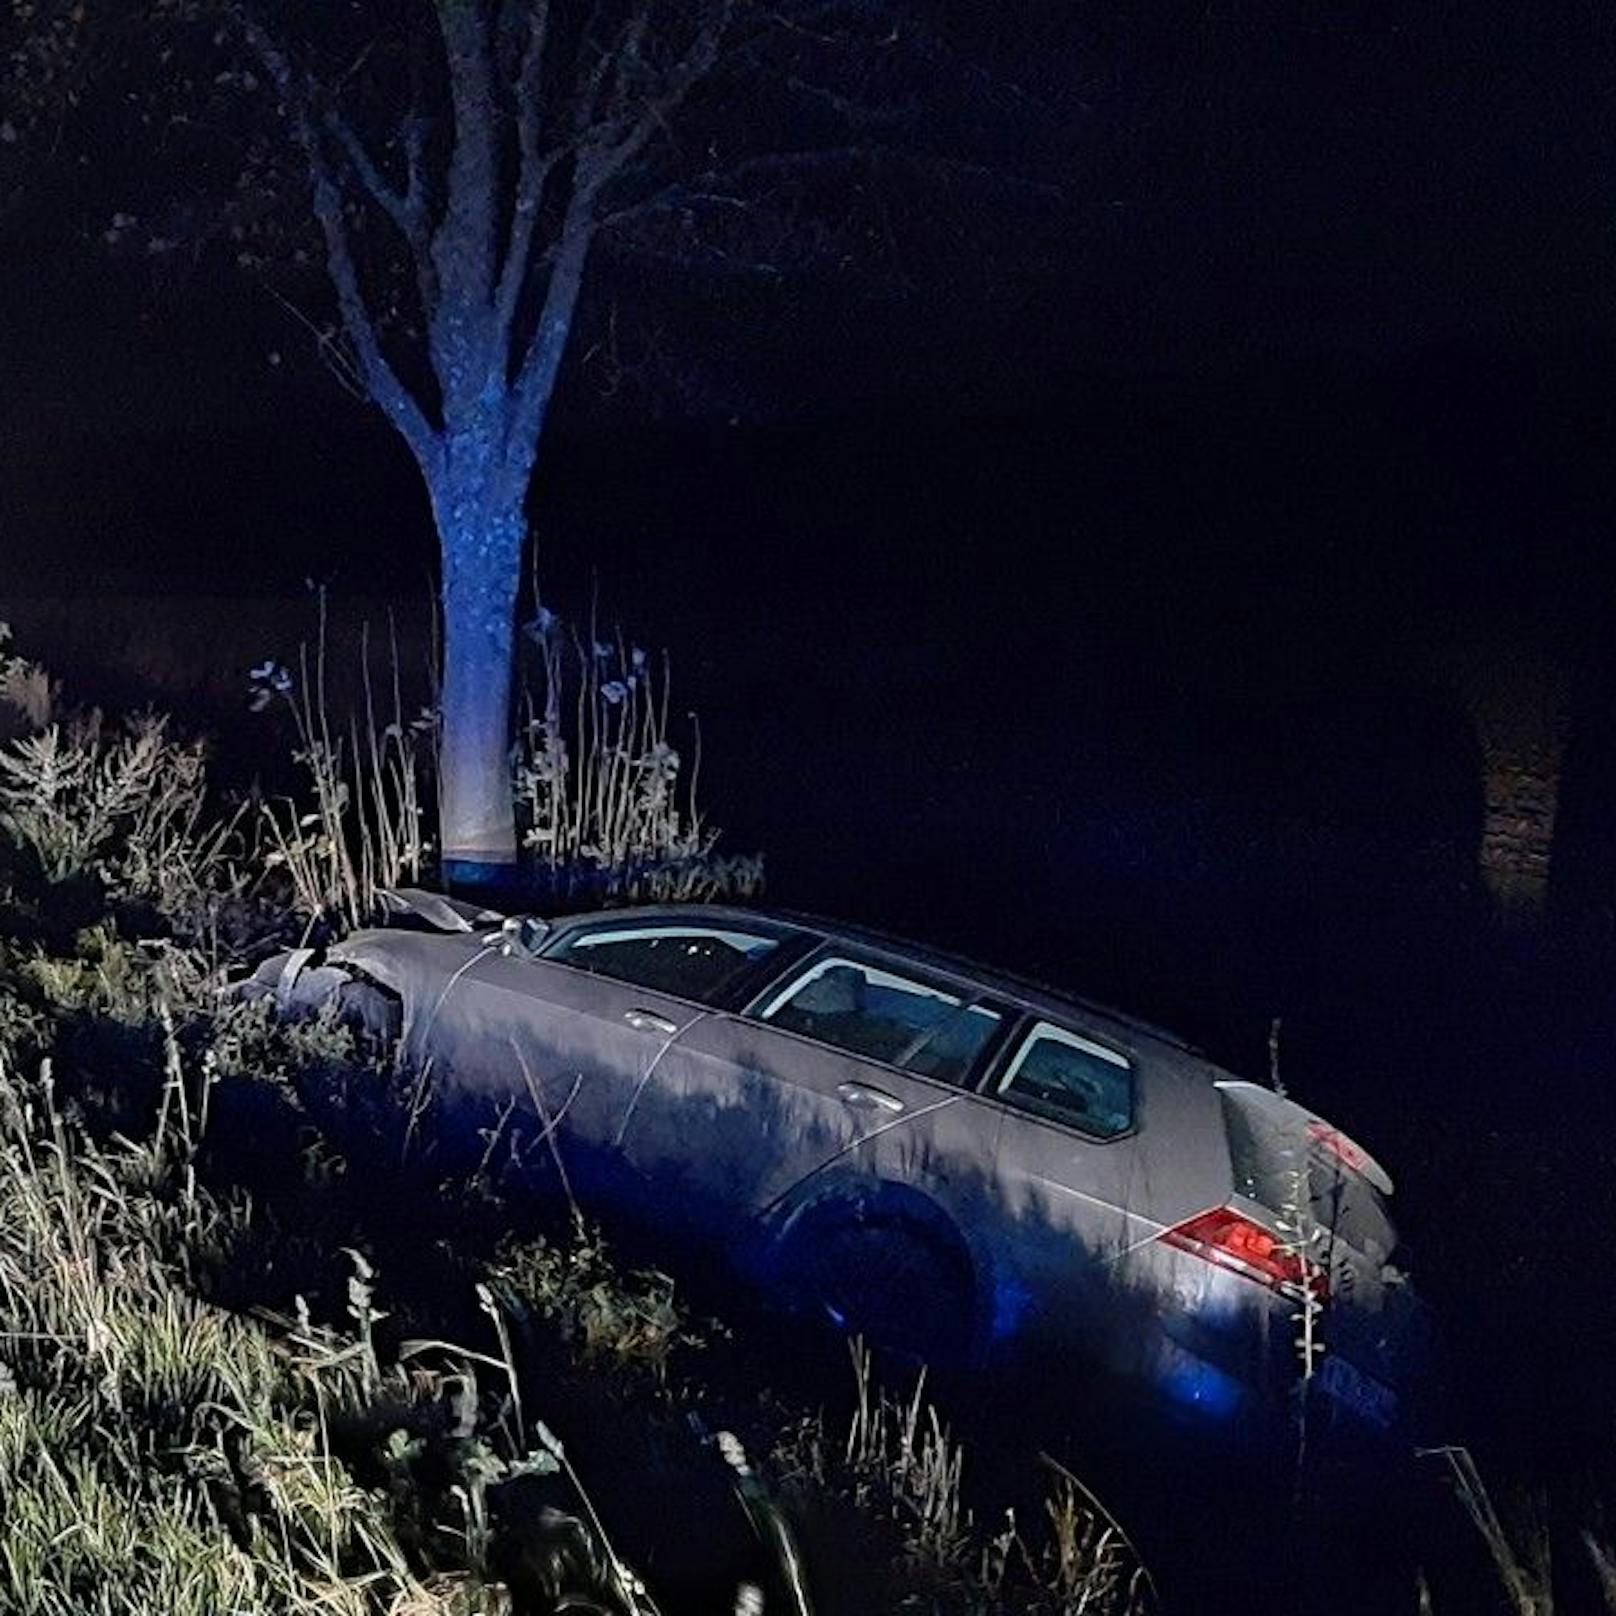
[(494, 198)]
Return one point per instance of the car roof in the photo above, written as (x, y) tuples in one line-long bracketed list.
[(1009, 983)]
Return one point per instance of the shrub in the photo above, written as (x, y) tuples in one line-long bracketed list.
[(127, 806), (630, 1320)]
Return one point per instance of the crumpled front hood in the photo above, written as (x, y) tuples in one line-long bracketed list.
[(416, 966)]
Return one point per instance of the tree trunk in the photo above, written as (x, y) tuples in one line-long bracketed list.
[(481, 528)]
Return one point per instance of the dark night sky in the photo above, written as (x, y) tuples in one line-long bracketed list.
[(1244, 189)]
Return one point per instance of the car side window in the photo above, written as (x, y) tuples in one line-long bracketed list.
[(688, 962), (870, 1011), (1058, 1075)]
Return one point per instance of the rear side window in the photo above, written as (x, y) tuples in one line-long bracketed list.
[(1058, 1075), (689, 962), (885, 1016)]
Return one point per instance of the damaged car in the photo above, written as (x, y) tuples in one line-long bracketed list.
[(953, 1162)]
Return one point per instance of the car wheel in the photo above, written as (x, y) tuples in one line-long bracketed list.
[(897, 1285)]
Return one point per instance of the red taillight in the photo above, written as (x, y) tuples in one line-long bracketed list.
[(1233, 1241), (1335, 1143)]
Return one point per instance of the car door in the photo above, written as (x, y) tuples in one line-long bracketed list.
[(1109, 1139), (572, 1034), (849, 1066)]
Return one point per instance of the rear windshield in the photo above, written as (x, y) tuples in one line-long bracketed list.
[(1265, 1160)]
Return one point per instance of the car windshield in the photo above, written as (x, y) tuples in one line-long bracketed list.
[(689, 962)]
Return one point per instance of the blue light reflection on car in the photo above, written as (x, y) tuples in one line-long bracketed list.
[(1010, 1303), (1195, 1384)]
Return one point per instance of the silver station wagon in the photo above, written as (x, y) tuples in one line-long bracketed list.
[(955, 1163)]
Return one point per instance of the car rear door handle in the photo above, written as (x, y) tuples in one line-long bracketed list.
[(647, 1021), (863, 1096)]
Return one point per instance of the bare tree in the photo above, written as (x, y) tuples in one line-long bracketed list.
[(456, 169), (495, 213)]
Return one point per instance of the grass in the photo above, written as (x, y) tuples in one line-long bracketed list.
[(159, 1451), (311, 1455), (627, 1321)]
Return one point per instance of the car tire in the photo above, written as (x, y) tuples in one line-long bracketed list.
[(900, 1286)]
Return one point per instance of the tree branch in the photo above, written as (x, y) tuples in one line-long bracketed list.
[(625, 58), (534, 172), (463, 246), (535, 382), (391, 201), (606, 161), (590, 82), (720, 187), (381, 381)]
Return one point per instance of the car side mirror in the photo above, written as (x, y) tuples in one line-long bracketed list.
[(521, 935)]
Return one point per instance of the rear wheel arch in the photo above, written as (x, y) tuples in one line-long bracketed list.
[(884, 1235)]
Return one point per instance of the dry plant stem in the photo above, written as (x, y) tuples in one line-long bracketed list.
[(604, 794), (905, 1453), (1086, 1580), (364, 830), (1527, 1581), (485, 1300), (549, 1125)]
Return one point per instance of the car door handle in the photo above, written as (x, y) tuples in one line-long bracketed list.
[(863, 1096), (646, 1021)]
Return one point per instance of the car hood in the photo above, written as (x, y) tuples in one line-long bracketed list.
[(414, 965)]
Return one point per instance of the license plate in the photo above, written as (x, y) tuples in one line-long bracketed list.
[(1353, 1389)]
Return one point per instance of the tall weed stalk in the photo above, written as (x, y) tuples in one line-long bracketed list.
[(366, 825), (605, 800)]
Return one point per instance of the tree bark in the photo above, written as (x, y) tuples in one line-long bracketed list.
[(481, 527)]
